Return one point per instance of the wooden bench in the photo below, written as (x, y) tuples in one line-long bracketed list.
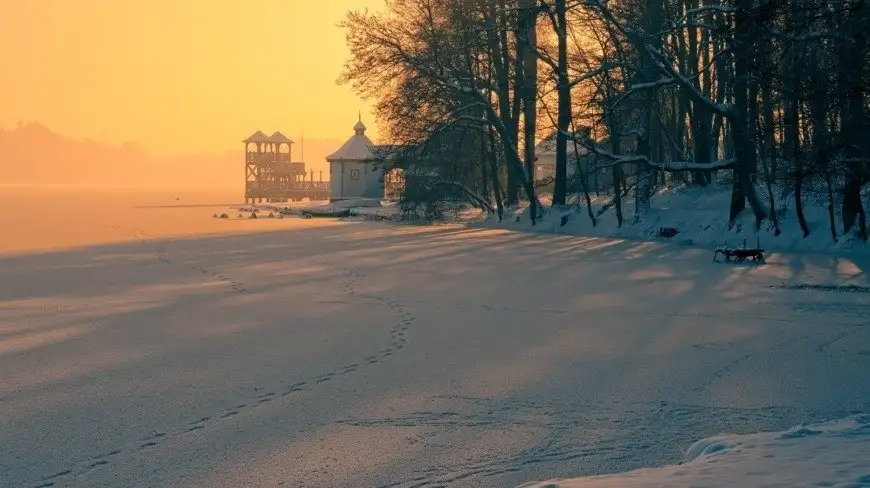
[(740, 254)]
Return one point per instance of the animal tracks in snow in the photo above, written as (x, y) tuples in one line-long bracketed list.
[(721, 372), (197, 425), (295, 387), (265, 398), (397, 332), (163, 257), (559, 423), (50, 479), (145, 445), (151, 441), (235, 285), (232, 411), (90, 464)]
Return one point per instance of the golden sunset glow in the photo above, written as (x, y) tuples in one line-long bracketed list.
[(177, 76)]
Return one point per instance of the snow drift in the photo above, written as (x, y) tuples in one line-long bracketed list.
[(834, 453)]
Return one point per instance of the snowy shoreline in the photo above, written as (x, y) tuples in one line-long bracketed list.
[(697, 215), (835, 453)]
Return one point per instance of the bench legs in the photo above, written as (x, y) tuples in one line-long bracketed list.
[(755, 258)]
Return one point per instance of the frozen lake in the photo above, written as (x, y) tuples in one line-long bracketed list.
[(143, 343)]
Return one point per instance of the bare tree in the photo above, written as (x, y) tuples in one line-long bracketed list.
[(767, 96)]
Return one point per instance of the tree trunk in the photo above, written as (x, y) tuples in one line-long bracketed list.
[(831, 218), (758, 124), (484, 164), (822, 145), (530, 81), (745, 149), (854, 118), (723, 80), (792, 143), (790, 126), (770, 198), (581, 171), (616, 169), (705, 120), (648, 129), (493, 173), (697, 113), (768, 135), (501, 58), (513, 159), (564, 108)]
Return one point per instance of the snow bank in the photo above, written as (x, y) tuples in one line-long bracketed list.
[(340, 208), (357, 203), (388, 212), (835, 454), (701, 217), (345, 208)]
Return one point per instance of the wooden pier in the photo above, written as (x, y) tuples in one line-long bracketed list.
[(272, 176)]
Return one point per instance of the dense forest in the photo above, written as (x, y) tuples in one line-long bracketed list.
[(768, 98)]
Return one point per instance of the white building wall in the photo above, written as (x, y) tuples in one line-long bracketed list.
[(545, 166), (336, 181), (353, 179)]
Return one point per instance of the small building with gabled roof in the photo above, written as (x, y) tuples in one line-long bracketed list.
[(545, 158), (279, 138), (598, 174), (257, 138), (353, 169)]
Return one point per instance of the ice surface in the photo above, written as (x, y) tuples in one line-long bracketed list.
[(144, 343)]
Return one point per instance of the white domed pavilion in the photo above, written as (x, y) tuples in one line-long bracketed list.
[(352, 171)]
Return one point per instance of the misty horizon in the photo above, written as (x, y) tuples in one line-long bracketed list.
[(32, 153)]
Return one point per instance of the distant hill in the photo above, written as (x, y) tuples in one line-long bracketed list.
[(33, 154)]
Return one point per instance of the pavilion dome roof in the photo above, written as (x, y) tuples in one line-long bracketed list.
[(357, 148)]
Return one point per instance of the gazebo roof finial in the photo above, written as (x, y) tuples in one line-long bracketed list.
[(357, 148), (360, 128)]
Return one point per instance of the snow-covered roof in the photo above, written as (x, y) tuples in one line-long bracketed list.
[(257, 137), (357, 148), (279, 137), (547, 147)]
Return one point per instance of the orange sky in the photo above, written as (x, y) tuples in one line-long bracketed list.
[(178, 76)]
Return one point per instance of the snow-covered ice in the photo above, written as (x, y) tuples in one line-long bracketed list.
[(156, 346)]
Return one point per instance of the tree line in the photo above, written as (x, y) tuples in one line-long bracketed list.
[(768, 96)]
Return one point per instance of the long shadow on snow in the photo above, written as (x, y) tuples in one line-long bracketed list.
[(567, 424), (706, 419)]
